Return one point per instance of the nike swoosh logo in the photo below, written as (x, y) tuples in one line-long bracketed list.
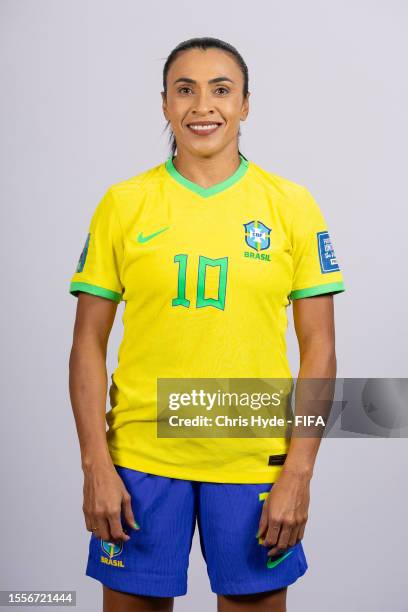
[(142, 238), (270, 564)]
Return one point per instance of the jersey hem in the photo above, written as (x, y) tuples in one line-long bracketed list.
[(221, 476), (94, 290), (318, 290)]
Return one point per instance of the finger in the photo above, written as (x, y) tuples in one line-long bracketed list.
[(301, 531), (88, 522), (284, 536), (294, 536), (263, 523), (128, 512), (116, 529), (102, 530), (91, 522), (282, 542), (272, 535)]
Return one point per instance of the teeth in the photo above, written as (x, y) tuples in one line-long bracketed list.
[(204, 127)]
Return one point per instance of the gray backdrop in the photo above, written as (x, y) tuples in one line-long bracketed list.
[(80, 111)]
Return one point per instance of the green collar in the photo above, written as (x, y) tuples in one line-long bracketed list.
[(206, 192)]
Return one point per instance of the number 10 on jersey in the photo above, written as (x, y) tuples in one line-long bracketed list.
[(203, 262)]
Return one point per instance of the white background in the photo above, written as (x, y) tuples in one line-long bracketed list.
[(81, 109)]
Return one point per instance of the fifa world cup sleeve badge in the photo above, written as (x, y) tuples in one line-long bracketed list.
[(327, 256), (84, 253)]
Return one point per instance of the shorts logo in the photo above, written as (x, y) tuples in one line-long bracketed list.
[(257, 235), (112, 550), (84, 253), (271, 563), (327, 257)]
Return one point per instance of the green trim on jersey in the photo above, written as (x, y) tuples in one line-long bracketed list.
[(317, 290), (206, 192), (95, 290)]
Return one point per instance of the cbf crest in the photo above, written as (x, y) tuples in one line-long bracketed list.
[(257, 235), (112, 549)]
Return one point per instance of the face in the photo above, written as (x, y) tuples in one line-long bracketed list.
[(204, 101)]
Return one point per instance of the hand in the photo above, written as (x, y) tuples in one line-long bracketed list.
[(285, 512), (105, 496)]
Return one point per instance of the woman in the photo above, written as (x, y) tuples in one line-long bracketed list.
[(207, 250)]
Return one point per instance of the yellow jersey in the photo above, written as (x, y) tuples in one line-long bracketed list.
[(206, 275)]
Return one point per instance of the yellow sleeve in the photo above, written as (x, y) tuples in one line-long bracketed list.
[(99, 267), (316, 269)]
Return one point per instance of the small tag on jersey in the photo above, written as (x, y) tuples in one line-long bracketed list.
[(327, 256), (84, 253), (277, 459)]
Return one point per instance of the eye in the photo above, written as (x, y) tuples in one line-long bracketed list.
[(222, 90), (184, 90)]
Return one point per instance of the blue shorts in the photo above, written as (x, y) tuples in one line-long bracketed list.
[(154, 561)]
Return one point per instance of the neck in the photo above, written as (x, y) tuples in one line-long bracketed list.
[(208, 171)]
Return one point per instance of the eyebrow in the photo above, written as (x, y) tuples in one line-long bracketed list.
[(193, 82)]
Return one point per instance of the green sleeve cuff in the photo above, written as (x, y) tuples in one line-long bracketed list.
[(318, 290), (95, 290)]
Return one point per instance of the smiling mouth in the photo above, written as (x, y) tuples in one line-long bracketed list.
[(203, 128)]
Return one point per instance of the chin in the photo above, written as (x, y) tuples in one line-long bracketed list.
[(206, 150)]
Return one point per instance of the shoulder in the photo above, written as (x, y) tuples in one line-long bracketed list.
[(292, 194), (126, 197), (138, 184)]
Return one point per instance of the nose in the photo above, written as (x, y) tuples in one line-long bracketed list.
[(203, 104)]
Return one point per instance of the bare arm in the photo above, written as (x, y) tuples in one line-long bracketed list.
[(314, 326), (285, 511), (88, 376), (104, 492)]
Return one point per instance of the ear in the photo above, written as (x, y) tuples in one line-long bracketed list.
[(164, 105), (245, 107)]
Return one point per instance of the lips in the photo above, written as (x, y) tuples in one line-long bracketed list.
[(203, 128)]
